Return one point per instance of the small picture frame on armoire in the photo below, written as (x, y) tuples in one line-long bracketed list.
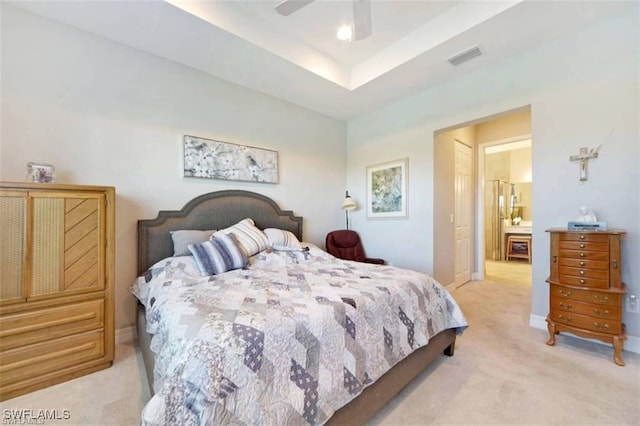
[(40, 172)]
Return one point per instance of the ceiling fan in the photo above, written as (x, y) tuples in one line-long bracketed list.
[(361, 14)]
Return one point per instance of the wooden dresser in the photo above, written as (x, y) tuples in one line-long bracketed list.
[(586, 289), (56, 283)]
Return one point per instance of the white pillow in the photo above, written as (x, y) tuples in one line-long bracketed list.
[(183, 238), (250, 239), (280, 239)]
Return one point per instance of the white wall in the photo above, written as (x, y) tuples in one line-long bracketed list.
[(580, 87), (105, 114)]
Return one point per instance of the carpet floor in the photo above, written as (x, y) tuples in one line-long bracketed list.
[(502, 373)]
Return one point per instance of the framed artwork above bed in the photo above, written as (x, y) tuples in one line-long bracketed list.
[(387, 189), (207, 158)]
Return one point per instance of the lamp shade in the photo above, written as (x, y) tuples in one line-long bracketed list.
[(349, 204)]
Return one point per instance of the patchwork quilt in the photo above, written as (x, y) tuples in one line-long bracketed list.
[(287, 340)]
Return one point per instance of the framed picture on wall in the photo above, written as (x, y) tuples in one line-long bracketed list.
[(206, 158), (387, 189)]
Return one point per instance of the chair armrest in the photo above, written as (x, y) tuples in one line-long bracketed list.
[(374, 260)]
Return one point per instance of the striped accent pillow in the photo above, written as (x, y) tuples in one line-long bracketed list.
[(250, 239), (218, 255), (279, 239)]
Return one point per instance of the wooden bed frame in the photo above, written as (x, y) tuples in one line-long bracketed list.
[(219, 210)]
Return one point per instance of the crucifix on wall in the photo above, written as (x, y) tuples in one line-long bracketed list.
[(584, 157)]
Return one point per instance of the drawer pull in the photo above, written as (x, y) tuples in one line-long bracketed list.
[(581, 263), (565, 293), (555, 259), (581, 254), (582, 246), (582, 237), (582, 281), (562, 317), (600, 299), (605, 326), (615, 263), (569, 306), (599, 312), (581, 272)]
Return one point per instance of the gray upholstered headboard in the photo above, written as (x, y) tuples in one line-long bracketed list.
[(215, 210)]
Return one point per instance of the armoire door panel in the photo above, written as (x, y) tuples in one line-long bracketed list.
[(88, 243), (84, 230), (47, 245), (71, 203), (79, 212), (80, 229), (13, 208), (78, 277)]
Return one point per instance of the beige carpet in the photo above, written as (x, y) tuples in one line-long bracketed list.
[(502, 374)]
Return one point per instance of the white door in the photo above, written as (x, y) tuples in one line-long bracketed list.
[(462, 213)]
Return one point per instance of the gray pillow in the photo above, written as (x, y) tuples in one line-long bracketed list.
[(182, 239)]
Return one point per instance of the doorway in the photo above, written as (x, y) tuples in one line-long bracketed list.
[(507, 209), (507, 127)]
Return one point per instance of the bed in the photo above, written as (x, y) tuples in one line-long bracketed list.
[(405, 354)]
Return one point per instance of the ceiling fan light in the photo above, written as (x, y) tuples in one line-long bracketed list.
[(345, 33)]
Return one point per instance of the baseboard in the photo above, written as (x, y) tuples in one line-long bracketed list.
[(632, 344), (127, 334)]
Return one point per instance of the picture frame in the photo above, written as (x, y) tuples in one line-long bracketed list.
[(212, 159), (40, 172), (387, 189)]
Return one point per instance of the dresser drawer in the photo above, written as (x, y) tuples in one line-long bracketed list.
[(584, 263), (583, 245), (584, 236), (41, 358), (589, 296), (601, 274), (601, 325), (583, 281), (589, 309), (582, 254), (26, 328)]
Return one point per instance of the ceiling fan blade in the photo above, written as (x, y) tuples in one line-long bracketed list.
[(361, 19), (287, 7)]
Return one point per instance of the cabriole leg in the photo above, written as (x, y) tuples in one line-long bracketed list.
[(552, 333), (617, 351)]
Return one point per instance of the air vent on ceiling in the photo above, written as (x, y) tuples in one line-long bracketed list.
[(465, 56)]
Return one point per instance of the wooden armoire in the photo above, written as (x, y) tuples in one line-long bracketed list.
[(56, 283)]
